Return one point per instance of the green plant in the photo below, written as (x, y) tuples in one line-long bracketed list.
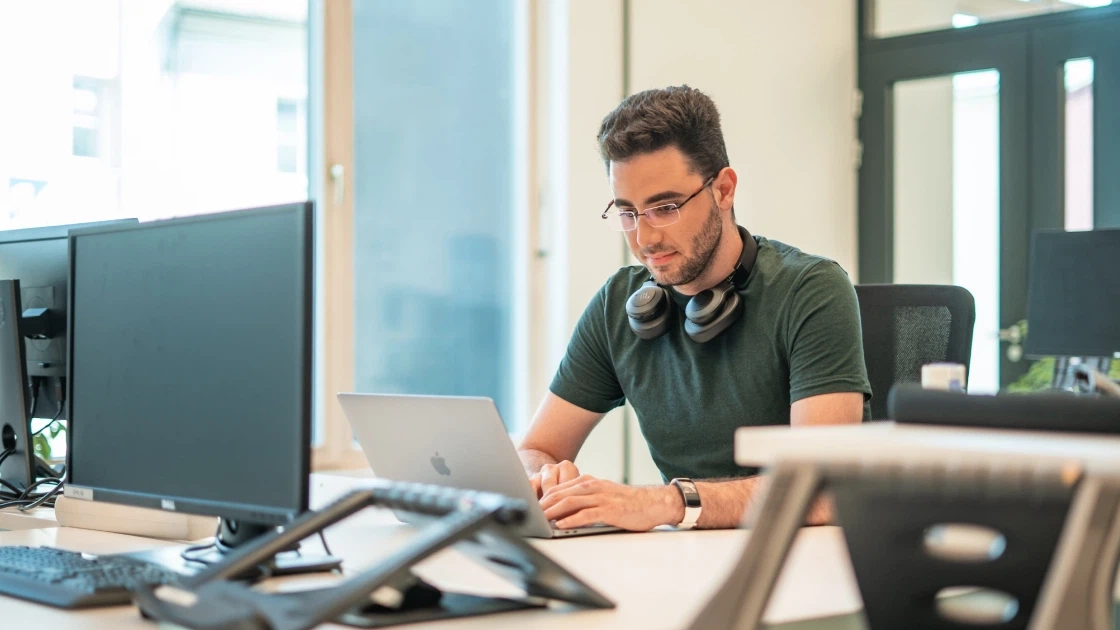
[(42, 441), (1036, 378)]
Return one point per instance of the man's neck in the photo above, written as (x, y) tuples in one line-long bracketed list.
[(728, 252)]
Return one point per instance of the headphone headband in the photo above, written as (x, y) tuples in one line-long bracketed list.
[(742, 271)]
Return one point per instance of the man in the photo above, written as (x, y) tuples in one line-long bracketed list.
[(793, 356)]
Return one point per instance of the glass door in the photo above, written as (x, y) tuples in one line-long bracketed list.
[(975, 136), (943, 179)]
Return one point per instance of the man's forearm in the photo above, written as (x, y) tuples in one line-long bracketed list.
[(533, 459), (724, 503)]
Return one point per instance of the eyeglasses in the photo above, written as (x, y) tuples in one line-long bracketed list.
[(658, 216)]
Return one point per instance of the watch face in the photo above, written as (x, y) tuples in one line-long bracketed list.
[(689, 492)]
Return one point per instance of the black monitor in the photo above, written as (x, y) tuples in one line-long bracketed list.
[(1074, 296), (37, 260), (190, 366)]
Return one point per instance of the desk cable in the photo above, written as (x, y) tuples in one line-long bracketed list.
[(193, 553)]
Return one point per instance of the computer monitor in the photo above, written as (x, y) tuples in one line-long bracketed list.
[(1074, 298), (190, 366), (37, 259)]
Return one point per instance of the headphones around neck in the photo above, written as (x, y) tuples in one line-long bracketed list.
[(707, 314)]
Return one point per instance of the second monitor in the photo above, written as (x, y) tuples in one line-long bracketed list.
[(1073, 298), (36, 260)]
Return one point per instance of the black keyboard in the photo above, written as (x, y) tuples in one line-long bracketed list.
[(66, 579)]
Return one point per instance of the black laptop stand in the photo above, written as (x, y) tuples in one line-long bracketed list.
[(478, 524)]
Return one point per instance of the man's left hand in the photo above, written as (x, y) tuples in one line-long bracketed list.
[(587, 500)]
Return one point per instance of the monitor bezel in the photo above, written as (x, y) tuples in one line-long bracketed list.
[(257, 514)]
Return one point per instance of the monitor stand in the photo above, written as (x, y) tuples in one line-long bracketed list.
[(21, 467), (15, 463), (231, 536), (1067, 371), (17, 455)]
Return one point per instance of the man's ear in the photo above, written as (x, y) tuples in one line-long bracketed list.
[(724, 187)]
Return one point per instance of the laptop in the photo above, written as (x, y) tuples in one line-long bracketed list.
[(455, 441)]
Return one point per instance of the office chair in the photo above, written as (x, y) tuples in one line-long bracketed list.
[(906, 326)]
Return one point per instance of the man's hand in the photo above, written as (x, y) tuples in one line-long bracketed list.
[(552, 475), (586, 500)]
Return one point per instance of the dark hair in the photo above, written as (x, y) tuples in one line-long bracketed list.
[(649, 121)]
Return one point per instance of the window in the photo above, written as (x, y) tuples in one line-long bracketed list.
[(434, 202), (291, 135), (90, 117), (131, 108), (426, 213), (136, 109), (1078, 125)]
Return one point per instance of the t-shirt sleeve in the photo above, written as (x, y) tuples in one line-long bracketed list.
[(586, 376), (826, 342)]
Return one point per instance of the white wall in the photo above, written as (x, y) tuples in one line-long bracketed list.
[(583, 82), (783, 76)]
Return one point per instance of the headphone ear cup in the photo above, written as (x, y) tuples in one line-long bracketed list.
[(705, 306), (648, 311), (713, 313)]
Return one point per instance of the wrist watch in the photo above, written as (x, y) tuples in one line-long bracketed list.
[(691, 498)]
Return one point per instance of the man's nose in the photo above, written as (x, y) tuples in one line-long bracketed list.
[(646, 234)]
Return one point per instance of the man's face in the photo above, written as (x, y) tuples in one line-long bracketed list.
[(675, 254)]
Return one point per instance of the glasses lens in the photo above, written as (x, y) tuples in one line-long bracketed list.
[(663, 215), (621, 221)]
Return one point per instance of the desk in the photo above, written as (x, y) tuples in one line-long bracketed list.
[(658, 579), (38, 518)]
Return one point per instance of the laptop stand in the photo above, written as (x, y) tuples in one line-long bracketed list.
[(479, 524), (1061, 528)]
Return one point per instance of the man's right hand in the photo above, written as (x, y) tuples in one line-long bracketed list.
[(551, 475)]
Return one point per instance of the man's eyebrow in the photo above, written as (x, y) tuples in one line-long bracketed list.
[(666, 195)]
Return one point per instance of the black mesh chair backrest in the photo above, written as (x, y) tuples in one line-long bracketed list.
[(906, 326)]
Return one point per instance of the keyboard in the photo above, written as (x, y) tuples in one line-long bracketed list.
[(65, 579)]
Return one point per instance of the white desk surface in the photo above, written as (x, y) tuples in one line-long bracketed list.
[(658, 579), (889, 443)]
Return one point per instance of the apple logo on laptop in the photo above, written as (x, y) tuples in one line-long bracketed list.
[(440, 464)]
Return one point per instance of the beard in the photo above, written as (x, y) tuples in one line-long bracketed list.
[(704, 246)]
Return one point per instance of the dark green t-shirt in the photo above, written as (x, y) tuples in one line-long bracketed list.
[(799, 336)]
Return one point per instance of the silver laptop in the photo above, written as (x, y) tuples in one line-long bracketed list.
[(447, 441)]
